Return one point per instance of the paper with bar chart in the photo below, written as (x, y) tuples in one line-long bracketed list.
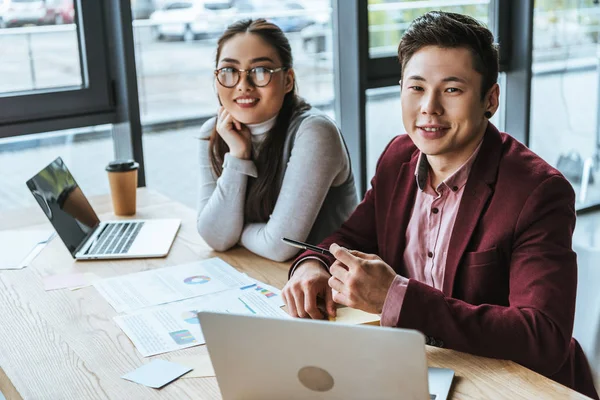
[(165, 285), (175, 326)]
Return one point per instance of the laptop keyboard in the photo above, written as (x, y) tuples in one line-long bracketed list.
[(115, 238)]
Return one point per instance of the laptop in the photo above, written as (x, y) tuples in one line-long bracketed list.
[(264, 358), (85, 236)]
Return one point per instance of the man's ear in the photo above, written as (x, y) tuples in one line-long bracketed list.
[(290, 80), (492, 99)]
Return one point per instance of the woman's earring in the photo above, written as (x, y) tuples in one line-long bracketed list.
[(487, 114)]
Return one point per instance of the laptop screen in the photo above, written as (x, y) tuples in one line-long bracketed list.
[(63, 202)]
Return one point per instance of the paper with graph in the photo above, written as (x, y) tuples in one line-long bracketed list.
[(176, 326), (165, 285)]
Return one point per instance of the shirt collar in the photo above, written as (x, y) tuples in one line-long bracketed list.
[(456, 181)]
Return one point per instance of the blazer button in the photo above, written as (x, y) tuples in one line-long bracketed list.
[(429, 254), (435, 210)]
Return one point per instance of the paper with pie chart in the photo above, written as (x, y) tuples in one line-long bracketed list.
[(165, 285), (175, 326)]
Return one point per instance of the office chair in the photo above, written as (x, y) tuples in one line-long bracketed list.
[(587, 310)]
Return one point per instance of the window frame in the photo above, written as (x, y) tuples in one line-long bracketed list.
[(49, 109)]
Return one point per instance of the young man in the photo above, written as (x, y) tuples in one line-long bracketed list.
[(465, 234)]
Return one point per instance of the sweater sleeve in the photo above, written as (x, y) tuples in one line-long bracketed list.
[(317, 159), (221, 200)]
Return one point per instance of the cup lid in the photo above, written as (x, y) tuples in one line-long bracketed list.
[(122, 166)]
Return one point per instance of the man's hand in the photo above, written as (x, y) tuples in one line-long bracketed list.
[(301, 291), (359, 280), (235, 134)]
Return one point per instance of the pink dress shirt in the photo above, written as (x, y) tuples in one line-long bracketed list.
[(428, 233)]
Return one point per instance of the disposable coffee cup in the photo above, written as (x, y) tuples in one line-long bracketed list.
[(123, 178)]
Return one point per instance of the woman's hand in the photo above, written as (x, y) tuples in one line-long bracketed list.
[(235, 134)]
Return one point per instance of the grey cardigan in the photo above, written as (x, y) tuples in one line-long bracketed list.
[(317, 191)]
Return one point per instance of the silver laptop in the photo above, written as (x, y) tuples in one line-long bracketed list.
[(86, 237), (263, 358)]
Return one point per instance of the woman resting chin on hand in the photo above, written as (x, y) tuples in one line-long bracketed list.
[(270, 165)]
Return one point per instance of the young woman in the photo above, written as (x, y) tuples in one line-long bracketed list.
[(270, 165)]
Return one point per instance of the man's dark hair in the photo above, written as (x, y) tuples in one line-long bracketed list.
[(451, 30)]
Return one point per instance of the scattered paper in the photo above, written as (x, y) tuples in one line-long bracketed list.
[(176, 326), (157, 373), (90, 278), (352, 316), (165, 285), (54, 282), (201, 364), (19, 248)]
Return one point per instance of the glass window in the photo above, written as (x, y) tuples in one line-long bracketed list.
[(54, 65), (86, 153), (564, 126), (389, 19), (43, 52), (175, 59)]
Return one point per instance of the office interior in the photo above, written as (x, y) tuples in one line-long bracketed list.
[(94, 81)]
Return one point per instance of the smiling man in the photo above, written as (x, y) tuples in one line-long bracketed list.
[(465, 234)]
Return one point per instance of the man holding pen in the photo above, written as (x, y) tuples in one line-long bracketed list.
[(465, 234)]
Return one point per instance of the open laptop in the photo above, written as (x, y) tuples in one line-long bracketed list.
[(86, 237), (263, 358)]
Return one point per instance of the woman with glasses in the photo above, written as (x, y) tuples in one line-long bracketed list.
[(270, 165)]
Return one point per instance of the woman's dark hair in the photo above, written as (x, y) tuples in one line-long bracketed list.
[(262, 192), (450, 30)]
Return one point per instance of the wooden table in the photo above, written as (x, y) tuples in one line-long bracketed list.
[(64, 344)]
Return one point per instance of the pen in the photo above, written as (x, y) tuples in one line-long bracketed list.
[(305, 246)]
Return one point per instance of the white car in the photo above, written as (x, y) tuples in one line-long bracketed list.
[(191, 19), (23, 12)]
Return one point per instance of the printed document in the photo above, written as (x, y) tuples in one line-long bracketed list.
[(165, 285), (176, 326)]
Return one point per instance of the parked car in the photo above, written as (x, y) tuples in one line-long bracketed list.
[(289, 16), (23, 12), (60, 11), (292, 23), (142, 9), (317, 38), (189, 20)]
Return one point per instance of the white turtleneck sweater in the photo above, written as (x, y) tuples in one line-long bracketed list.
[(317, 189)]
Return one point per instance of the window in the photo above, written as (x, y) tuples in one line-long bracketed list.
[(55, 70), (388, 20), (564, 104), (85, 151)]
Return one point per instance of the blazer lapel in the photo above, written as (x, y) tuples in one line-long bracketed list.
[(476, 194), (399, 212)]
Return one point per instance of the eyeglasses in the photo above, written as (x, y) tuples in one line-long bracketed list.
[(258, 76)]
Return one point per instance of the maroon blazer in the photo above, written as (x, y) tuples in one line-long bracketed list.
[(511, 275)]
